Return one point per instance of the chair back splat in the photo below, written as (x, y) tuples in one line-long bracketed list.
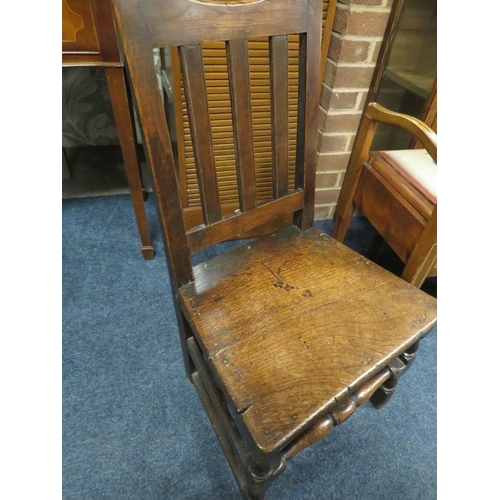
[(187, 24), (284, 337)]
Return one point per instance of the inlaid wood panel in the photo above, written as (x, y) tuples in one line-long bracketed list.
[(78, 27), (88, 34)]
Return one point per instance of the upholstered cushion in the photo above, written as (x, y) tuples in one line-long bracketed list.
[(417, 167)]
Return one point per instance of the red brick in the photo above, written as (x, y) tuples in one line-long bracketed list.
[(340, 179), (332, 142), (350, 51), (347, 123), (367, 23), (353, 77), (323, 212), (334, 162), (325, 97), (326, 196), (343, 100), (362, 101), (323, 114), (330, 70), (341, 19), (371, 3), (327, 180), (375, 52)]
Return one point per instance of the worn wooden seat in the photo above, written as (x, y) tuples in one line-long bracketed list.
[(294, 322), (284, 337)]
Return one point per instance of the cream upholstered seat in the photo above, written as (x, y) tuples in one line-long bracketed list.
[(417, 167)]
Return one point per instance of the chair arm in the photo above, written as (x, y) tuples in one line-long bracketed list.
[(416, 127)]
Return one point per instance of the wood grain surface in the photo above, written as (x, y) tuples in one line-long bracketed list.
[(294, 322)]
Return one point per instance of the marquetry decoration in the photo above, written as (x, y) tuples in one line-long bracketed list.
[(78, 27), (72, 22)]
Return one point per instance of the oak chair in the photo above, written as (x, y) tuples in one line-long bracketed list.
[(285, 336), (396, 191)]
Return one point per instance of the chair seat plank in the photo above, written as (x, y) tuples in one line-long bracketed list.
[(280, 368)]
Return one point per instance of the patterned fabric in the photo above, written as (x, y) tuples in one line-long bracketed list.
[(87, 115)]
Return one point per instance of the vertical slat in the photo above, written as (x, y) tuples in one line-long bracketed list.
[(191, 59), (278, 60), (301, 98), (181, 151), (307, 126), (239, 87)]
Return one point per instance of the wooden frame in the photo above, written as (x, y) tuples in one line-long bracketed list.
[(236, 313)]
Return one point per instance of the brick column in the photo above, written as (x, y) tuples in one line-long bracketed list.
[(357, 35)]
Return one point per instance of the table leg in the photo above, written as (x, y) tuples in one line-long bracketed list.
[(123, 112)]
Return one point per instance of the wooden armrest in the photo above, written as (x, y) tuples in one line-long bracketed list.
[(416, 127)]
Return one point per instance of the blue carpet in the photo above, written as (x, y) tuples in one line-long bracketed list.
[(133, 427)]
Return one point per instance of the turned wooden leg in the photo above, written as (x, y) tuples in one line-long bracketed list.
[(123, 119), (397, 367)]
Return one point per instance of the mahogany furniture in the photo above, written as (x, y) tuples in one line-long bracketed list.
[(88, 39), (285, 336), (396, 191)]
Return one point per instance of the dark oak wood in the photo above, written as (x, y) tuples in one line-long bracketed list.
[(278, 58), (300, 286), (400, 213), (239, 86), (218, 94), (191, 59), (89, 39), (241, 223), (284, 337)]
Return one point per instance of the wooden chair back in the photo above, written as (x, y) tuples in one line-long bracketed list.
[(185, 24)]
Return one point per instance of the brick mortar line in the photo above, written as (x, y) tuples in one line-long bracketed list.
[(331, 134), (371, 52), (358, 101), (345, 89), (363, 8), (330, 153), (340, 90), (351, 65), (357, 38), (356, 65)]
